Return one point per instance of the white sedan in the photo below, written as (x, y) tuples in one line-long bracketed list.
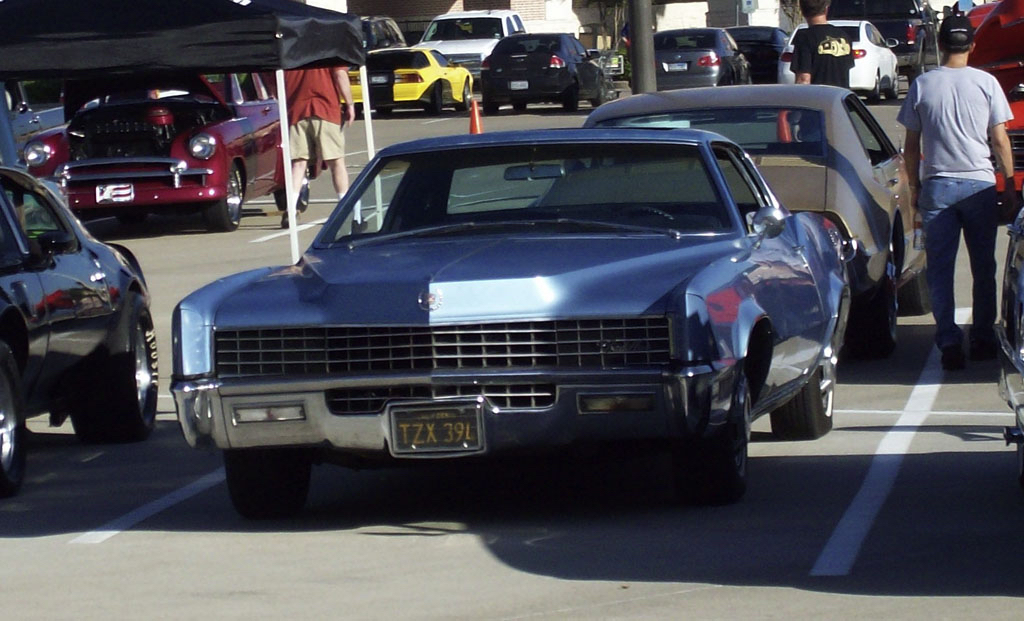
[(874, 67)]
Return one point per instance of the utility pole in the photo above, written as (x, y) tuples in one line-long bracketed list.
[(641, 46)]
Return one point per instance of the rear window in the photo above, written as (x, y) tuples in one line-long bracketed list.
[(527, 45), (471, 28), (667, 41), (752, 35), (872, 8), (389, 61), (852, 33), (760, 131)]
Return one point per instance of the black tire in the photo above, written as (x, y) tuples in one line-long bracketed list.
[(1020, 465), (490, 108), (876, 93), (12, 425), (872, 327), (602, 93), (713, 471), (126, 410), (383, 111), (808, 415), (224, 215), (519, 106), (268, 483), (914, 298), (436, 104), (571, 98), (893, 92), (467, 97)]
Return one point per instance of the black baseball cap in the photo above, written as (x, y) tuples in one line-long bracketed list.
[(956, 33)]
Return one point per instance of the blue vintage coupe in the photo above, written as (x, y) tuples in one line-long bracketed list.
[(490, 294)]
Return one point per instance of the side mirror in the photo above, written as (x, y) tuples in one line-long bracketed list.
[(769, 222), (593, 54)]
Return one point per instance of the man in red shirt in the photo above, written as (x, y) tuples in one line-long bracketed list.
[(319, 106)]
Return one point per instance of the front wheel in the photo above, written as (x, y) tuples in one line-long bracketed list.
[(876, 93), (467, 97), (602, 94), (873, 319), (713, 471), (12, 425), (225, 214), (125, 411), (268, 483)]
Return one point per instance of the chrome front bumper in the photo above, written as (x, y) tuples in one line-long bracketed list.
[(1011, 376), (690, 402)]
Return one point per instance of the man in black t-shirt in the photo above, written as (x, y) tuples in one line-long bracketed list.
[(821, 52)]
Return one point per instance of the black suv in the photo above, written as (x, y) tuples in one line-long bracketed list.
[(911, 22)]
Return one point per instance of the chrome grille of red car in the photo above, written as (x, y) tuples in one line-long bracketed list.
[(585, 343), (372, 400)]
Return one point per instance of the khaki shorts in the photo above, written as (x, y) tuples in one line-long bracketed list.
[(315, 135)]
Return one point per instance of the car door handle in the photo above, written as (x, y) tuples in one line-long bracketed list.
[(266, 110)]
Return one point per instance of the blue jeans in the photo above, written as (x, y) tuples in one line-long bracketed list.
[(949, 205)]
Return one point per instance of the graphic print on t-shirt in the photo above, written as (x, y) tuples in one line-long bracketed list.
[(831, 46)]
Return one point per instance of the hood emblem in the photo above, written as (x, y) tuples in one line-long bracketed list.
[(431, 301)]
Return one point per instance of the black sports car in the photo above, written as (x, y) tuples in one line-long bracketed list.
[(76, 336)]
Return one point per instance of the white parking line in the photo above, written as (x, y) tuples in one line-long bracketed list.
[(840, 553), (144, 512), (301, 227)]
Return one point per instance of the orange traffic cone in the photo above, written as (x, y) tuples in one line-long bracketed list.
[(475, 126)]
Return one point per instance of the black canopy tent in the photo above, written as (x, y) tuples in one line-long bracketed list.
[(79, 39)]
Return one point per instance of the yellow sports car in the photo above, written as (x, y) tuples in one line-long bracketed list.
[(409, 77)]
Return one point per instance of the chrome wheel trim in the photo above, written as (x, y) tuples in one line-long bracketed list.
[(233, 200), (144, 380), (8, 431)]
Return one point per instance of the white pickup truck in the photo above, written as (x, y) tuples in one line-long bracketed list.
[(467, 38), (26, 119)]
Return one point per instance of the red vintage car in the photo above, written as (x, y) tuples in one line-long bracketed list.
[(136, 145)]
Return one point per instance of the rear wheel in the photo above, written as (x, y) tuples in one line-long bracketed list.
[(876, 93), (713, 471), (490, 108), (914, 298), (873, 321), (225, 214), (893, 92), (602, 93), (125, 410), (436, 104), (571, 98), (12, 425), (268, 483), (467, 97)]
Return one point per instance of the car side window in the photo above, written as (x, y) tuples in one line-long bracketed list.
[(745, 192), (440, 58), (247, 87), (33, 211), (876, 145)]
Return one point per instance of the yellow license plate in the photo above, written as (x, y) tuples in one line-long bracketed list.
[(436, 427)]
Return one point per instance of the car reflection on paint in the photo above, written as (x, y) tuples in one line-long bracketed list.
[(476, 296)]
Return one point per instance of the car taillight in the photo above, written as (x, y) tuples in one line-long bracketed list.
[(409, 78), (787, 57), (556, 63), (486, 63), (911, 34), (711, 60), (859, 54)]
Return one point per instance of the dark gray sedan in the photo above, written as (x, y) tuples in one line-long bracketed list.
[(692, 57)]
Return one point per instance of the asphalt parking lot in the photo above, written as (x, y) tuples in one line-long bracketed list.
[(909, 508)]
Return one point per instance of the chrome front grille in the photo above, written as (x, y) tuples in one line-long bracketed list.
[(344, 401), (1017, 142), (338, 350)]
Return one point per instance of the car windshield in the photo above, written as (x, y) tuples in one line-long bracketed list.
[(874, 8), (593, 186), (761, 131), (685, 40), (389, 61), (527, 45), (468, 28)]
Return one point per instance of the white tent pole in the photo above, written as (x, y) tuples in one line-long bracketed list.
[(371, 150), (286, 155)]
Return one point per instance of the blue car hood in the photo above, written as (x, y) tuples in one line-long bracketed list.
[(411, 282)]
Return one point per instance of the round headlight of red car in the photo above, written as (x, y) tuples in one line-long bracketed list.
[(37, 153), (202, 146)]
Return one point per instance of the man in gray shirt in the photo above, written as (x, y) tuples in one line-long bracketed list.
[(950, 115)]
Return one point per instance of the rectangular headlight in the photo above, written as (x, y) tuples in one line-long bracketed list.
[(269, 413)]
